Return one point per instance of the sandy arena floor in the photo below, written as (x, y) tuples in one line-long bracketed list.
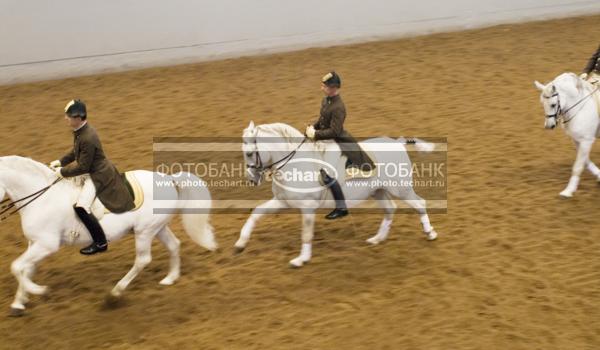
[(515, 267)]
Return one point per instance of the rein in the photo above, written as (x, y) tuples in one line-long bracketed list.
[(259, 166), (4, 209)]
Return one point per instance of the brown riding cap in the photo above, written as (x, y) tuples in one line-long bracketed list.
[(76, 108), (332, 79)]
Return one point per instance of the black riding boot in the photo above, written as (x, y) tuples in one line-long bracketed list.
[(92, 224), (336, 190)]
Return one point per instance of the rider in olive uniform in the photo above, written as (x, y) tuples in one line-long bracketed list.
[(330, 126), (101, 178)]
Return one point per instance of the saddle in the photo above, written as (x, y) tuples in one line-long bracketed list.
[(350, 172)]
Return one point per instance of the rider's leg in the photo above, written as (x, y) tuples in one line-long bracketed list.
[(83, 209), (336, 190)]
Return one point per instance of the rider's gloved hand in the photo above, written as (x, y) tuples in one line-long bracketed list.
[(583, 76), (54, 164), (310, 132), (57, 172)]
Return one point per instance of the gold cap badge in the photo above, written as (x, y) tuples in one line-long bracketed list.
[(72, 102), (327, 77)]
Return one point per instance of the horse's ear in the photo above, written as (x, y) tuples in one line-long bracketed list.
[(539, 85), (251, 125)]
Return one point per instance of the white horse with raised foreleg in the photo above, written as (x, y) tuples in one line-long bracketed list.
[(574, 103), (291, 156), (48, 221)]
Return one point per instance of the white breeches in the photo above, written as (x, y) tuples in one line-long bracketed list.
[(87, 194)]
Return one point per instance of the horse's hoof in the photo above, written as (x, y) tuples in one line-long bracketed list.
[(297, 263), (431, 236), (167, 281), (373, 241), (565, 195), (238, 250), (16, 312), (113, 300)]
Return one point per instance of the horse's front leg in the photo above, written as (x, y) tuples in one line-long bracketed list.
[(583, 153), (308, 225), (22, 268), (270, 206)]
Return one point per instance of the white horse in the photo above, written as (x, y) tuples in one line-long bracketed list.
[(308, 194), (50, 222), (572, 102)]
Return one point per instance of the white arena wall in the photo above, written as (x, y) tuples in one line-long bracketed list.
[(53, 39)]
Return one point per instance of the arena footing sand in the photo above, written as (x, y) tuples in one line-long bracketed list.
[(514, 267)]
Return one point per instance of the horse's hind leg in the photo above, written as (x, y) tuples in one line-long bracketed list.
[(171, 242), (22, 268), (389, 207), (143, 257), (419, 204)]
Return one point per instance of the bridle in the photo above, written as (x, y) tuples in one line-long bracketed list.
[(283, 161), (7, 204), (559, 111)]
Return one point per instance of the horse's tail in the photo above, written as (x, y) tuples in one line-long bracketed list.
[(420, 145), (195, 204)]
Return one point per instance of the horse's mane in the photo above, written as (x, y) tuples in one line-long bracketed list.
[(27, 165), (580, 84), (289, 133)]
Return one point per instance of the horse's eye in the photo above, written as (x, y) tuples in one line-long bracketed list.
[(553, 105), (248, 154)]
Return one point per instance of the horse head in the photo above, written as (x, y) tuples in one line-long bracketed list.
[(20, 176), (558, 95), (265, 146), (252, 156)]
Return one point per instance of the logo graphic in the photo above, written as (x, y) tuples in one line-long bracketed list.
[(303, 175)]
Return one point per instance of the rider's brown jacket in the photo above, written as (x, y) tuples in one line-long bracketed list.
[(87, 157), (331, 126)]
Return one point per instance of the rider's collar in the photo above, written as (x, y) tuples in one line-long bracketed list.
[(332, 98), (80, 128)]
